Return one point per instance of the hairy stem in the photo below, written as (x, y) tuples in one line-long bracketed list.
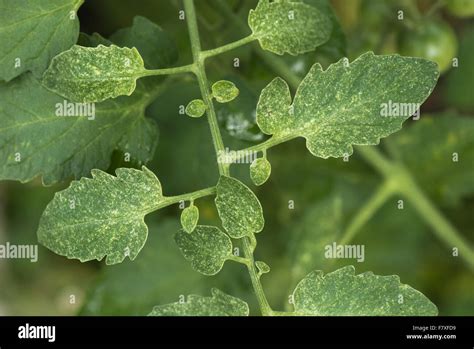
[(228, 47), (200, 72), (257, 286)]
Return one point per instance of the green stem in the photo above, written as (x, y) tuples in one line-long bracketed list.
[(200, 72), (406, 185), (269, 143), (228, 47), (170, 200), (367, 211), (169, 71), (240, 260), (257, 286), (432, 216)]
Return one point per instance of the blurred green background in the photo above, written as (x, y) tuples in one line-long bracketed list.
[(326, 193)]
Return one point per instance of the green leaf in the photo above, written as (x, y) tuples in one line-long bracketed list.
[(220, 304), (190, 218), (207, 248), (262, 267), (335, 47), (36, 140), (155, 45), (158, 50), (196, 108), (342, 293), (439, 152), (102, 216), (33, 32), (260, 170), (224, 91), (94, 74), (238, 207), (158, 275), (343, 105), (288, 26)]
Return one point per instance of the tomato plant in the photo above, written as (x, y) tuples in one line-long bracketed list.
[(250, 127)]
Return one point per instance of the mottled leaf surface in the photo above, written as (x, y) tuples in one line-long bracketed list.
[(94, 74), (102, 216), (189, 218), (224, 91), (341, 106), (58, 147), (196, 108), (260, 170), (156, 46), (33, 32), (342, 293), (239, 209), (289, 26), (219, 304), (207, 248)]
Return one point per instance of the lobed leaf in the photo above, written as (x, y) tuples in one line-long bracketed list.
[(102, 216), (342, 293), (94, 74), (289, 26), (219, 304), (36, 128), (207, 248), (239, 209), (343, 105), (33, 32)]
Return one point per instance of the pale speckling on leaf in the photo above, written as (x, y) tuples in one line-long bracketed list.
[(260, 170), (339, 107), (239, 209), (207, 248), (224, 91), (33, 32), (262, 267), (219, 304), (190, 218), (342, 293), (196, 108), (94, 74), (106, 218), (289, 26)]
